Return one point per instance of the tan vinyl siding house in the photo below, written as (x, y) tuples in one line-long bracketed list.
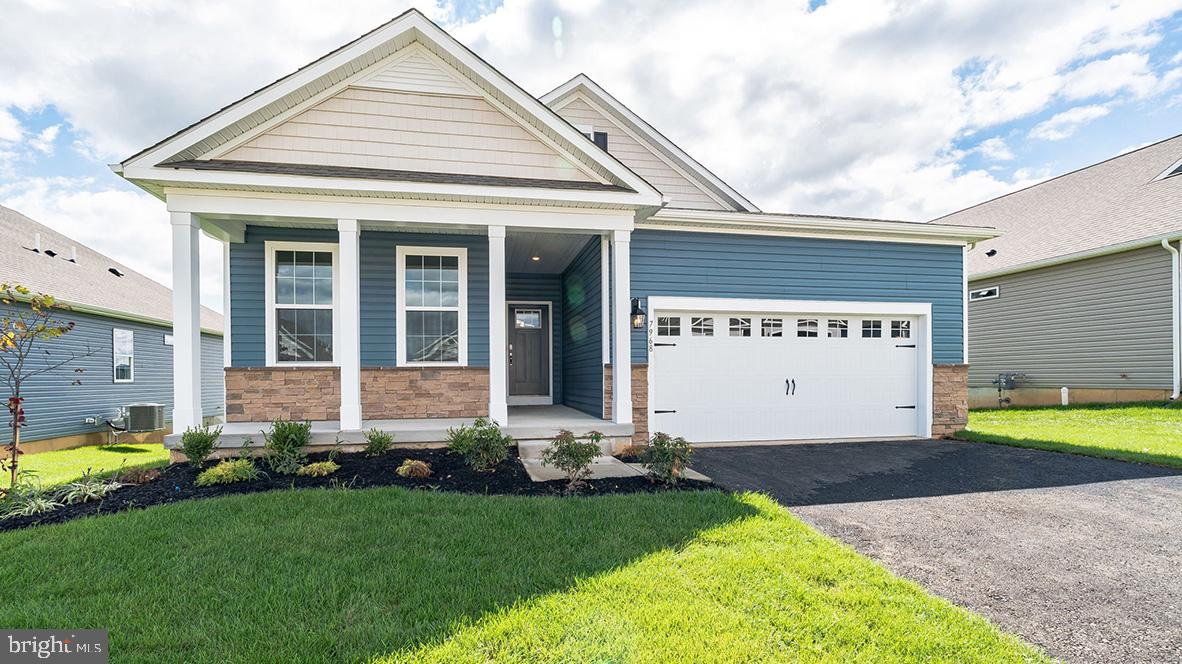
[(640, 158), (1087, 294)]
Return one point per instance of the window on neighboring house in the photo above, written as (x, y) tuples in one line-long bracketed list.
[(302, 302), (984, 293), (702, 327), (668, 326), (740, 327), (123, 355), (807, 327), (871, 329), (900, 329), (772, 327), (839, 329), (432, 305)]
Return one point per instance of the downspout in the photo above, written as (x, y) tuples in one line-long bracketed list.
[(1175, 309)]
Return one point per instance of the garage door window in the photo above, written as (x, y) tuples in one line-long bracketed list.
[(668, 326), (806, 327), (740, 327), (772, 327), (871, 329), (702, 327), (839, 329), (900, 329)]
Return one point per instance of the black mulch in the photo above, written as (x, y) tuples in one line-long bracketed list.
[(177, 482)]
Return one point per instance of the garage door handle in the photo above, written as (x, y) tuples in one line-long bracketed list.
[(662, 412), (789, 386), (904, 345), (663, 344), (906, 407)]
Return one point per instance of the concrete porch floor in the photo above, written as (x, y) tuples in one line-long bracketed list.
[(526, 423)]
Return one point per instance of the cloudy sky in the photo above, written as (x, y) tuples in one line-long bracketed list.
[(901, 109)]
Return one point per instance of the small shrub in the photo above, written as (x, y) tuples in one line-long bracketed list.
[(482, 444), (197, 443), (27, 498), (138, 475), (377, 442), (86, 489), (229, 472), (320, 469), (414, 468), (285, 445), (667, 458), (572, 456)]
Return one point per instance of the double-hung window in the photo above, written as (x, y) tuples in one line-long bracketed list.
[(432, 307), (123, 355), (301, 302)]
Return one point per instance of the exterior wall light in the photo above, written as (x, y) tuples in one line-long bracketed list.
[(638, 315)]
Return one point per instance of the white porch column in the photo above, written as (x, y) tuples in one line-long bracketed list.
[(349, 345), (498, 370), (186, 322), (227, 356), (622, 327)]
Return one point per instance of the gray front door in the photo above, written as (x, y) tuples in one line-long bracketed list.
[(529, 350)]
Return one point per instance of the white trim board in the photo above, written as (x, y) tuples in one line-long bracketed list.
[(401, 253), (532, 400), (922, 335)]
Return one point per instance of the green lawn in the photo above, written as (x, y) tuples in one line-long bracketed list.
[(1145, 432), (397, 575), (67, 465)]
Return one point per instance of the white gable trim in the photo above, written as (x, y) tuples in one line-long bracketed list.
[(425, 31), (652, 136), (578, 95)]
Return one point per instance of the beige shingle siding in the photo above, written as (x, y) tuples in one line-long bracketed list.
[(1110, 203), (1101, 322), (407, 131), (641, 159)]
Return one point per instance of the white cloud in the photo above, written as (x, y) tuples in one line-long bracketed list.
[(995, 149), (127, 225), (1064, 125), (1124, 71), (852, 108), (10, 127), (43, 141)]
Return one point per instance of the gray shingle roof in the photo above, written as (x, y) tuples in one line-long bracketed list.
[(85, 283), (383, 174), (1109, 204)]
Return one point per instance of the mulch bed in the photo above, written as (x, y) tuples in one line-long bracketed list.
[(177, 482)]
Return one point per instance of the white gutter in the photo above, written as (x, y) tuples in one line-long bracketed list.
[(1175, 309), (817, 226), (1140, 243)]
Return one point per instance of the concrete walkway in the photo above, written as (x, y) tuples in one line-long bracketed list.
[(1078, 555)]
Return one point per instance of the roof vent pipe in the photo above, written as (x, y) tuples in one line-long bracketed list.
[(37, 242), (1175, 310), (73, 254)]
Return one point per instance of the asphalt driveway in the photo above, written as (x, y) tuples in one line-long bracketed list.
[(1081, 556)]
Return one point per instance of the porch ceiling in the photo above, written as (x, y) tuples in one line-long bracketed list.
[(554, 251)]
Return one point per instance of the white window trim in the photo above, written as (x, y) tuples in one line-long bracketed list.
[(400, 297), (114, 357), (270, 247), (986, 297)]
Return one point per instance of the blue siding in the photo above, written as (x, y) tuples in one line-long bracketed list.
[(55, 406), (718, 265), (544, 288), (378, 326), (582, 366)]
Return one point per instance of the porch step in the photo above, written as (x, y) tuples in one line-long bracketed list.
[(533, 449)]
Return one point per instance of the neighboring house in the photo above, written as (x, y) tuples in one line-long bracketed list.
[(1081, 290), (411, 236), (122, 332)]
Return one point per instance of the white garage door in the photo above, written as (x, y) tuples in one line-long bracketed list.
[(752, 377)]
